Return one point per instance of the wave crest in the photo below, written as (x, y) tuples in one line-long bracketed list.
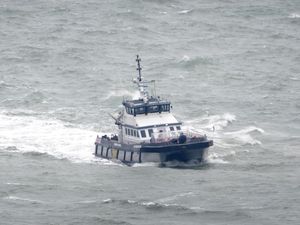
[(213, 122), (243, 136), (294, 16), (215, 127)]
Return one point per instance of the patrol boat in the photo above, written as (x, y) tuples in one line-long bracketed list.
[(148, 132)]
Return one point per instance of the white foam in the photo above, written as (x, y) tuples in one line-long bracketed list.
[(148, 203), (294, 78), (157, 204), (53, 137), (215, 158), (222, 142), (174, 197), (185, 58), (131, 201), (185, 11), (219, 122), (214, 126), (197, 208), (13, 183), (246, 130), (154, 204), (87, 201), (243, 136), (107, 200), (15, 198), (294, 15), (146, 164), (214, 122)]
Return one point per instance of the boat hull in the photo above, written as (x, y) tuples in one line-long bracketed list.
[(152, 152)]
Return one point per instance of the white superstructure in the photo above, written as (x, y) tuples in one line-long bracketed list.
[(147, 116)]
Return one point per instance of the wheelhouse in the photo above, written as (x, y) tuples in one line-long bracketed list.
[(154, 105)]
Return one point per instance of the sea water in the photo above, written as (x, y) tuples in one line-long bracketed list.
[(231, 70)]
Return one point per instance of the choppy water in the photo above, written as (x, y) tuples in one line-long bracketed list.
[(232, 64)]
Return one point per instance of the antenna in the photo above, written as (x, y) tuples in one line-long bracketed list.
[(139, 67), (154, 88), (142, 85)]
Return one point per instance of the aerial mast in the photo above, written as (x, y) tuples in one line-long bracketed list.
[(142, 85), (139, 67)]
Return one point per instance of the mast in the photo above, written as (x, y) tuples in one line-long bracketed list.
[(139, 68), (142, 85)]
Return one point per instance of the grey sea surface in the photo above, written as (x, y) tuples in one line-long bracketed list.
[(232, 65)]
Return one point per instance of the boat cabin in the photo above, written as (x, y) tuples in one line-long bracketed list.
[(153, 105), (145, 120)]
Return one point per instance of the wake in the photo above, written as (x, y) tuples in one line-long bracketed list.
[(53, 137), (25, 133)]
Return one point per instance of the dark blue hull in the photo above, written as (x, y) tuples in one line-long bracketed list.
[(153, 152)]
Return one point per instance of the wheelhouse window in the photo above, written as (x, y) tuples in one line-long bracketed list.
[(178, 127), (143, 133), (130, 110), (171, 128), (150, 131), (165, 108), (134, 133), (140, 110), (153, 108), (126, 131)]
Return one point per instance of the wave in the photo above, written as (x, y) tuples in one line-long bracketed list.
[(3, 84), (214, 126), (175, 207), (294, 78), (294, 16), (249, 129), (189, 62), (153, 205), (215, 158), (87, 202), (186, 11), (38, 136), (14, 183), (147, 164), (174, 197), (15, 198), (35, 97), (185, 58), (213, 122), (243, 136), (108, 200), (219, 122)]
